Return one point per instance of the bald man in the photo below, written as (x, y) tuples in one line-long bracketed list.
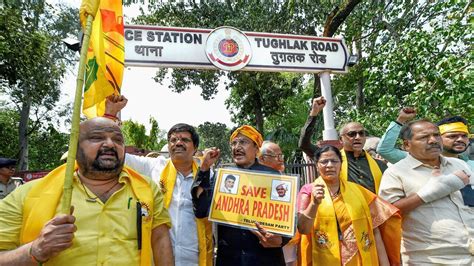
[(357, 165), (272, 156), (107, 199)]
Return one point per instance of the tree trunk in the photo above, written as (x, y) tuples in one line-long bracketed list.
[(258, 114), (317, 86), (23, 131), (338, 16), (360, 82)]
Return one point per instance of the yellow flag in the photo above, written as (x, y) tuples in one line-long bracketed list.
[(105, 56)]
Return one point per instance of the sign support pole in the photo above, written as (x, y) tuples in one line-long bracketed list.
[(329, 132)]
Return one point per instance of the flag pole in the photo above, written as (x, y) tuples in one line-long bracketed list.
[(74, 137)]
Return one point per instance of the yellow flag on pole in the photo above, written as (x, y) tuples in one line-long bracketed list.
[(105, 56)]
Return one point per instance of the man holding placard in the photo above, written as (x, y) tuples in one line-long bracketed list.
[(238, 246)]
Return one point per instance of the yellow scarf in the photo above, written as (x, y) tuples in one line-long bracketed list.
[(374, 169), (204, 227), (43, 198), (325, 238)]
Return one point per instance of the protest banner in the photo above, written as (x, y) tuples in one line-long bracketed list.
[(242, 198)]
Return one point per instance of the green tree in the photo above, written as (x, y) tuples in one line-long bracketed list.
[(46, 143), (253, 95), (415, 53), (30, 73), (46, 147), (422, 59), (284, 127), (9, 132), (135, 135), (215, 135)]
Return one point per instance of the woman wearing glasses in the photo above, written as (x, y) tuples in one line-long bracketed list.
[(343, 222)]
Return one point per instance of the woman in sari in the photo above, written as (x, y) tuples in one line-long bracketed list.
[(343, 223)]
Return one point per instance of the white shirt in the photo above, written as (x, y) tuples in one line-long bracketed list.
[(438, 232), (183, 231)]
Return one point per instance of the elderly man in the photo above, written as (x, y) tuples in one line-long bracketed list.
[(357, 165), (453, 130), (191, 238), (238, 246), (271, 156), (438, 227), (7, 182), (107, 199), (454, 137)]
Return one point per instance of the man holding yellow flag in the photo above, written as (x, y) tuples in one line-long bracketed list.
[(118, 219)]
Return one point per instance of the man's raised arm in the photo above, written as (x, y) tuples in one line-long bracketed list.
[(307, 131), (386, 147)]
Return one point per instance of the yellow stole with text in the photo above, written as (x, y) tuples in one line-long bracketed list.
[(204, 227), (43, 198)]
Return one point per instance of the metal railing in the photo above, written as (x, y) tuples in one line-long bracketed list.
[(305, 170)]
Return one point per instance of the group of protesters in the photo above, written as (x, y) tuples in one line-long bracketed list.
[(130, 210)]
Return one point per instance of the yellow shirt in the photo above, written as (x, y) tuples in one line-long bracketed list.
[(106, 233)]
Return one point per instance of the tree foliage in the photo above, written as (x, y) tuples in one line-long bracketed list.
[(46, 143), (284, 127), (422, 59), (416, 53), (135, 135), (215, 135), (33, 61), (254, 96)]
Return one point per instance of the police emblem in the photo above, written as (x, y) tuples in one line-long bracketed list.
[(366, 242), (322, 239), (228, 48)]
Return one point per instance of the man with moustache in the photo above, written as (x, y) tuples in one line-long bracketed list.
[(191, 238), (454, 135), (107, 198), (438, 228), (239, 247), (358, 166)]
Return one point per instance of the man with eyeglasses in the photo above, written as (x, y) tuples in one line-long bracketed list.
[(7, 182), (191, 238), (357, 165), (272, 156), (239, 247)]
